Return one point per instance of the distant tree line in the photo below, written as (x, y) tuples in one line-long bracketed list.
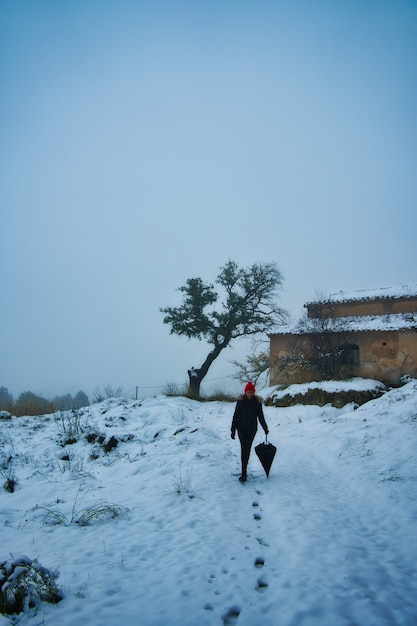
[(29, 403)]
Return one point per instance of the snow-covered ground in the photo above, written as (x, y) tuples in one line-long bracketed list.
[(329, 539), (331, 387)]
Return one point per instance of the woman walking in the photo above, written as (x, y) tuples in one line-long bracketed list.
[(245, 420)]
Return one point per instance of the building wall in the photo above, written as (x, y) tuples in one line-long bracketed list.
[(384, 356), (280, 347), (363, 307), (387, 356)]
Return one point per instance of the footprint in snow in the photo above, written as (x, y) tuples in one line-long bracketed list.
[(262, 584), (230, 617)]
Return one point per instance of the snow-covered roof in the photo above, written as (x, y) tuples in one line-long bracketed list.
[(358, 323), (395, 292)]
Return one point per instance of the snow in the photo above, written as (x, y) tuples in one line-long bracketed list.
[(327, 540), (398, 291), (393, 322), (358, 323), (334, 386)]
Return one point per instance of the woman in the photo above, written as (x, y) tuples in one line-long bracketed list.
[(245, 420)]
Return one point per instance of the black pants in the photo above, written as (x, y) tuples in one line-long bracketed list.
[(246, 440)]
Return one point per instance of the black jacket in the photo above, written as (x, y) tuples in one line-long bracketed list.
[(246, 415)]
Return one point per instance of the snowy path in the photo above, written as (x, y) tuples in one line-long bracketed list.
[(333, 549)]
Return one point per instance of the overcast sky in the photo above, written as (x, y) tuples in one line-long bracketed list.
[(143, 143)]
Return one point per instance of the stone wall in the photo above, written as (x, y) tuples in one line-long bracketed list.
[(321, 397), (363, 307), (384, 356)]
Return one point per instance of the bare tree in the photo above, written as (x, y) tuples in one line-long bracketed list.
[(108, 391), (257, 364)]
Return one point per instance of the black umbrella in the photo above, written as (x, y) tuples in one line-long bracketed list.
[(266, 452)]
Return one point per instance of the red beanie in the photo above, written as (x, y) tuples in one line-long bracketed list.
[(250, 387)]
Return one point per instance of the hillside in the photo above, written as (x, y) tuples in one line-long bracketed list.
[(138, 507)]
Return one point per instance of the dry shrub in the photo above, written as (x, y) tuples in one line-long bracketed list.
[(24, 583)]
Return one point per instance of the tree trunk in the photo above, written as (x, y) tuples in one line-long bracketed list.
[(195, 376)]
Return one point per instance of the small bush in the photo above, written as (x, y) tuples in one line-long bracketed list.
[(52, 516), (173, 390), (10, 484), (182, 484), (95, 437), (6, 472), (110, 444), (99, 512), (69, 425), (24, 583), (220, 396)]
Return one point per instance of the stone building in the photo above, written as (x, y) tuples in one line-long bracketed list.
[(369, 333)]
